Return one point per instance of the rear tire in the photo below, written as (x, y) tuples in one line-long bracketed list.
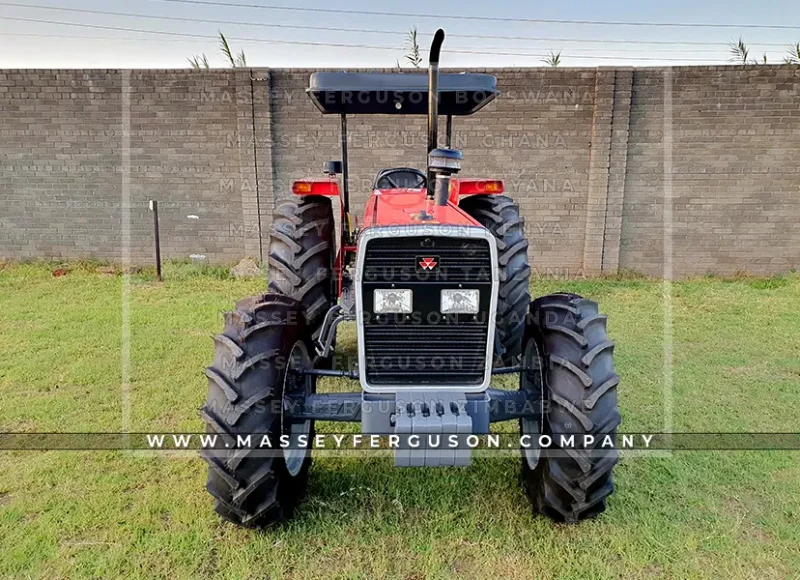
[(301, 255), (573, 484), (500, 215), (247, 382)]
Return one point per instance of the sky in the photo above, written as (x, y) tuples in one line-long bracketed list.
[(269, 36)]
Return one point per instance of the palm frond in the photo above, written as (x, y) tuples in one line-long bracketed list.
[(226, 49), (241, 59), (738, 51), (199, 62), (793, 54), (412, 48), (552, 59)]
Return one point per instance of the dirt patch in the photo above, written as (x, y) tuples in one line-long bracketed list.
[(746, 510), (193, 332), (787, 474), (22, 426), (5, 498), (107, 271), (247, 268), (756, 534), (739, 370)]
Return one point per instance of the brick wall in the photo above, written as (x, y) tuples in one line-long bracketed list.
[(61, 154), (582, 150), (735, 180)]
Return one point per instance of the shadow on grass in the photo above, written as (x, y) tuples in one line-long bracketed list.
[(375, 489)]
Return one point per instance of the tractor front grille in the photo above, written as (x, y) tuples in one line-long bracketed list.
[(426, 347), (459, 260)]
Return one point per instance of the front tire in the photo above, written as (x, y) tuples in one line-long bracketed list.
[(571, 484), (262, 338)]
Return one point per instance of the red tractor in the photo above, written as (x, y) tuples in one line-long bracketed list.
[(437, 281)]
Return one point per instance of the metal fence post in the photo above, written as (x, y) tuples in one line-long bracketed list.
[(154, 209)]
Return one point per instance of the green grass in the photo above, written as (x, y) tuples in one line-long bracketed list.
[(107, 514)]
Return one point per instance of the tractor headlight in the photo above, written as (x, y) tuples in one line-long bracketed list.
[(392, 301), (460, 301)]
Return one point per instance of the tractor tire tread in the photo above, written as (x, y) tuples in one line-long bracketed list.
[(570, 484), (501, 216), (301, 252), (252, 488)]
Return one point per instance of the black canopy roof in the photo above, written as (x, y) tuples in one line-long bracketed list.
[(399, 93)]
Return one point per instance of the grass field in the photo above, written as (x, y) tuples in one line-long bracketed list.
[(107, 514)]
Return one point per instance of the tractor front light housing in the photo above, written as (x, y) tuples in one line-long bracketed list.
[(391, 301), (460, 301)]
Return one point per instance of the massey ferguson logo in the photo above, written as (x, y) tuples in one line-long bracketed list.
[(427, 263)]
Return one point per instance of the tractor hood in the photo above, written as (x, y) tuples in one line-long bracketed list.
[(409, 207)]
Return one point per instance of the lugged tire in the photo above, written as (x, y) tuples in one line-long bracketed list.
[(570, 485), (245, 387), (500, 215), (301, 255)]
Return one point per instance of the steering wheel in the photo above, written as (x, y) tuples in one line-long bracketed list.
[(414, 179)]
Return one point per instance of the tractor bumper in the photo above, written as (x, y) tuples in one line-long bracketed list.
[(427, 414), (422, 413)]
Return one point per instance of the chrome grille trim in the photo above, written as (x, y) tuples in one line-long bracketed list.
[(453, 231)]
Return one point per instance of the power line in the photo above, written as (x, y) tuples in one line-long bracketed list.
[(332, 44), (84, 37), (189, 40), (382, 32), (481, 18), (188, 34), (331, 29)]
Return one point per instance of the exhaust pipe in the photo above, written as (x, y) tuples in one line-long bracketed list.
[(442, 163), (433, 90), (433, 104)]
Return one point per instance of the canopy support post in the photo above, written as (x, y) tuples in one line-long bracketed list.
[(449, 131), (345, 186)]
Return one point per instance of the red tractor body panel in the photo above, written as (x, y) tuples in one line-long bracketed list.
[(399, 207)]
